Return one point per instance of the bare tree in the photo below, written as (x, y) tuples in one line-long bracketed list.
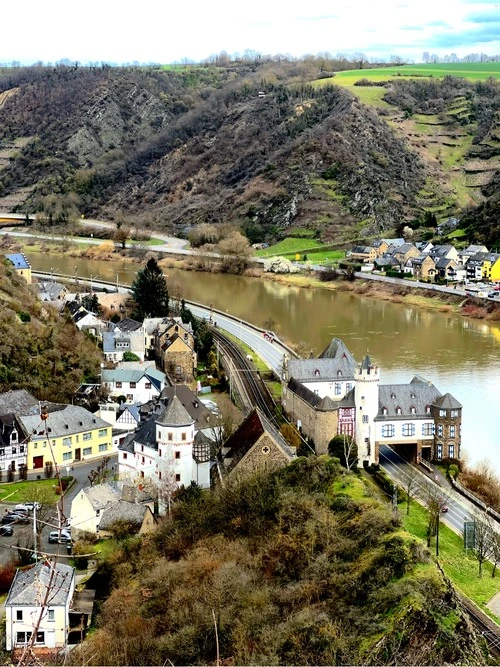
[(482, 538), (410, 486), (224, 423), (350, 452), (495, 549), (435, 499)]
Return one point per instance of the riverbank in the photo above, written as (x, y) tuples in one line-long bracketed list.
[(406, 294)]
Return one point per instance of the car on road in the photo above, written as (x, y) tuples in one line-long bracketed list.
[(7, 531), (444, 509), (63, 538)]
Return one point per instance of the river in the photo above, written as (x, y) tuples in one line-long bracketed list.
[(458, 355)]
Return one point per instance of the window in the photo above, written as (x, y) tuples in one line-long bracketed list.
[(452, 431), (170, 436), (339, 374), (14, 450), (451, 451), (408, 429), (52, 615), (67, 456), (124, 456), (177, 477), (13, 436), (118, 385), (348, 387), (40, 637), (159, 475), (338, 388), (177, 455), (427, 429), (442, 413), (133, 385), (454, 414), (413, 410), (385, 411), (316, 373), (440, 451), (87, 436), (183, 436), (148, 385), (2, 452), (399, 411), (427, 409), (87, 451), (103, 432), (67, 442), (19, 614), (23, 637), (21, 449), (103, 447), (440, 430), (142, 460), (387, 430), (142, 448), (365, 419)]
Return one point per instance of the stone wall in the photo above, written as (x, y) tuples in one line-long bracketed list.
[(264, 455)]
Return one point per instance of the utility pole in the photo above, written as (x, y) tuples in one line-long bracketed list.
[(35, 545), (395, 498)]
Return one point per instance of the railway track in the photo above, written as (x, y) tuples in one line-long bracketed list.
[(484, 626), (255, 391)]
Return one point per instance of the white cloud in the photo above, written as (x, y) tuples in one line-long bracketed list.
[(161, 31)]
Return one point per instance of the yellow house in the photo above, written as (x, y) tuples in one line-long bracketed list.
[(21, 265), (495, 270), (65, 434)]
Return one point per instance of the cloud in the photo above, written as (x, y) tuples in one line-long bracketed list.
[(483, 17), (438, 24), (411, 27), (473, 37)]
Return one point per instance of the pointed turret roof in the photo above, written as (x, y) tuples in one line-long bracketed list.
[(337, 349), (366, 364), (447, 402), (175, 414)]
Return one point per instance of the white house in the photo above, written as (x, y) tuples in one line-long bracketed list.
[(127, 336), (28, 601), (13, 443), (166, 450), (138, 382)]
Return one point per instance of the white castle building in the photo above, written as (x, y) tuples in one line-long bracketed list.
[(333, 395)]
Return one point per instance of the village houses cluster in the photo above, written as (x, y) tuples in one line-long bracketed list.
[(428, 262)]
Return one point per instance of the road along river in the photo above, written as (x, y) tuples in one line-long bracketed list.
[(459, 355)]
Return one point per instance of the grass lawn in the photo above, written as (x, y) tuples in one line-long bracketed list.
[(106, 548), (461, 569), (19, 492), (289, 246)]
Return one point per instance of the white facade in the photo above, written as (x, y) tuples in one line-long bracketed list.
[(21, 614), (336, 390), (366, 400), (407, 430)]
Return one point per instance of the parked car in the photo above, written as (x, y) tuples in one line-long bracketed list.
[(30, 506), (7, 531), (22, 508), (63, 538), (14, 518)]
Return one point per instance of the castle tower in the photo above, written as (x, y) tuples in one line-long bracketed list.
[(367, 377)]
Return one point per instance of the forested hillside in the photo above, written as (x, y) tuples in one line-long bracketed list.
[(265, 145), (288, 569), (39, 350)]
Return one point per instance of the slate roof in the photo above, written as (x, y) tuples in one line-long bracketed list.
[(9, 423), (175, 414), (390, 242), (133, 409), (62, 420), (386, 261), (474, 249), (330, 369), (418, 394), (19, 401), (51, 290), (403, 248), (132, 375), (28, 584), (108, 342), (123, 511), (127, 325), (362, 250), (336, 349), (247, 434), (19, 260), (420, 259), (322, 404), (100, 495), (201, 415), (447, 402), (440, 250), (444, 263)]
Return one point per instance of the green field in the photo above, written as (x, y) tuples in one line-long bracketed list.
[(19, 492), (314, 250), (473, 71)]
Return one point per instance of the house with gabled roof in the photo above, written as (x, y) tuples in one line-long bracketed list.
[(24, 607), (13, 443), (423, 267), (255, 445), (21, 265), (362, 253), (174, 350), (126, 336), (138, 382), (51, 291)]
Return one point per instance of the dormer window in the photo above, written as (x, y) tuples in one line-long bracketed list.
[(316, 372), (399, 411), (339, 374), (427, 409), (393, 395), (412, 395), (13, 436), (413, 410), (385, 411)]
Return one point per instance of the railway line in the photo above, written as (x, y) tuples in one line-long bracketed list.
[(253, 391)]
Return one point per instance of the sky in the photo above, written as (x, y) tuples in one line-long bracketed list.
[(165, 31)]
